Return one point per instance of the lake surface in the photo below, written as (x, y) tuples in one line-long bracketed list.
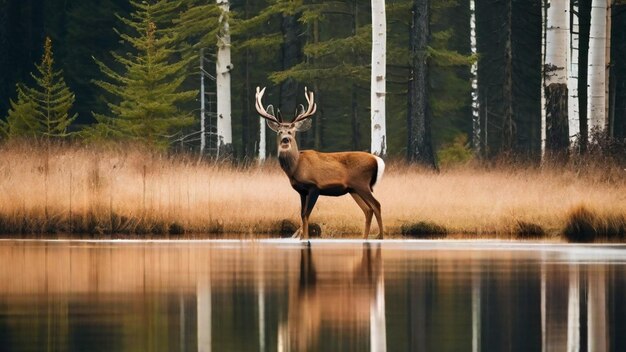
[(281, 295)]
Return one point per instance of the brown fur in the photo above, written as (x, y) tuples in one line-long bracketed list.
[(313, 174)]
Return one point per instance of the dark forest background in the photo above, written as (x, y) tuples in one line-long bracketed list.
[(325, 46)]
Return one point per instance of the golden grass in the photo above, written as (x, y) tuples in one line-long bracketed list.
[(79, 189)]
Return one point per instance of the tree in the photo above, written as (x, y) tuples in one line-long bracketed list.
[(509, 76), (42, 110), (556, 76), (572, 81), (378, 79), (223, 67), (476, 133), (145, 93), (419, 146), (596, 76)]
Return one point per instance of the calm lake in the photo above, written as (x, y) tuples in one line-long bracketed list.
[(336, 295)]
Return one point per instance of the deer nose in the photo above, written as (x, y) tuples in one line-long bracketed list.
[(285, 140)]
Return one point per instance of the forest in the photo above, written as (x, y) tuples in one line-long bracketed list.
[(113, 113), (483, 83)]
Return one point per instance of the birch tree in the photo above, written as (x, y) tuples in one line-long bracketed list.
[(555, 75), (596, 74), (223, 67), (474, 73), (377, 93), (572, 82)]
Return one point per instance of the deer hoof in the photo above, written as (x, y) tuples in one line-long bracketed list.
[(376, 237)]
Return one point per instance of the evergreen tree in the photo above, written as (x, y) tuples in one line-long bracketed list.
[(21, 121), (44, 109), (146, 94)]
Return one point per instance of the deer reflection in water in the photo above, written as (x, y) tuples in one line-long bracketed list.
[(351, 298)]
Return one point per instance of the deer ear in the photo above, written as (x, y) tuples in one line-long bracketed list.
[(273, 125), (303, 125)]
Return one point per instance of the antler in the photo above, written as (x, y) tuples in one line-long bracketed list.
[(311, 108), (259, 106)]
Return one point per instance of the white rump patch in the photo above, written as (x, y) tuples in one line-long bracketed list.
[(381, 169)]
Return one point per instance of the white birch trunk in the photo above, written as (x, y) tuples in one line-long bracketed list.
[(202, 105), (378, 78), (262, 146), (596, 77), (572, 83), (607, 66), (556, 75), (474, 73), (222, 70), (557, 46), (543, 90)]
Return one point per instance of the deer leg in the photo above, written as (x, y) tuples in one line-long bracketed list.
[(311, 198), (368, 197), (367, 211), (303, 197)]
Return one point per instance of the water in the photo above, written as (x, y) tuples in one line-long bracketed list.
[(331, 296)]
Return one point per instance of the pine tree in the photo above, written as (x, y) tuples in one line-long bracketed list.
[(44, 109), (146, 95)]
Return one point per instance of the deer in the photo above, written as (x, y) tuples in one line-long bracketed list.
[(313, 174)]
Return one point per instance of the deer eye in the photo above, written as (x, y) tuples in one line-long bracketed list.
[(289, 132)]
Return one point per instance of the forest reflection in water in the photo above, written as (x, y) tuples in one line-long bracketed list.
[(333, 295)]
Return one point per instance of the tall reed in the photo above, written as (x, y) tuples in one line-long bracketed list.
[(130, 190)]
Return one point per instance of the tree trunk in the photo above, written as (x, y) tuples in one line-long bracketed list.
[(544, 17), (247, 111), (607, 72), (572, 82), (596, 109), (474, 74), (356, 127), (618, 82), (508, 124), (420, 148), (556, 77), (222, 73), (378, 79), (584, 17), (202, 106)]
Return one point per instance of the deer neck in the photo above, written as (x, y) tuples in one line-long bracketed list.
[(288, 159)]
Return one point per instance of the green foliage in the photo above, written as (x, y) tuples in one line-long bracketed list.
[(144, 85), (42, 110), (457, 152)]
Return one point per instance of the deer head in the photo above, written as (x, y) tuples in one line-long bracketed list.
[(286, 131)]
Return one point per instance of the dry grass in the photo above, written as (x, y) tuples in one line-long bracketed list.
[(83, 190)]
